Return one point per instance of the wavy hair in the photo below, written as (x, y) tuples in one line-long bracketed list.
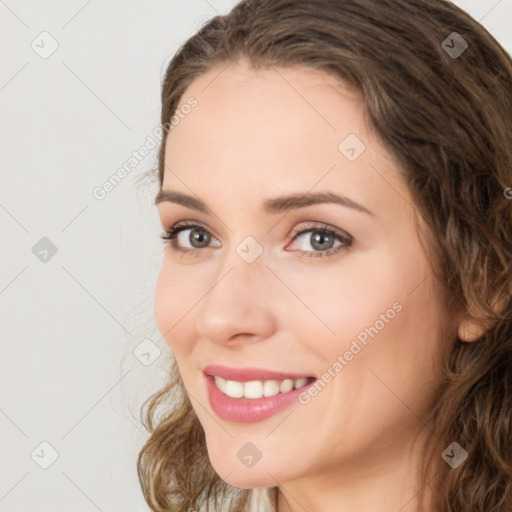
[(447, 120)]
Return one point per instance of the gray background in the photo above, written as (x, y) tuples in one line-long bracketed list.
[(79, 349)]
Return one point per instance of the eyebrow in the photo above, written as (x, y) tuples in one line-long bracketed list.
[(272, 205)]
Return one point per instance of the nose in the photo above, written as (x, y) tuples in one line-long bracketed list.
[(238, 305)]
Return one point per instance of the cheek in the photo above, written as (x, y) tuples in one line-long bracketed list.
[(380, 300), (343, 301), (174, 300), (388, 324)]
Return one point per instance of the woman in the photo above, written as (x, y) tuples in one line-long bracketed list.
[(336, 284)]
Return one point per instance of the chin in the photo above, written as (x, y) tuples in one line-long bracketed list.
[(246, 479), (262, 474)]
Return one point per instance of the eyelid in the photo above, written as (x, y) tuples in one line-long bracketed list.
[(342, 236), (310, 225), (345, 240), (187, 224)]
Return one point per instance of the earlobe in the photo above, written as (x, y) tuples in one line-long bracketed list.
[(470, 330)]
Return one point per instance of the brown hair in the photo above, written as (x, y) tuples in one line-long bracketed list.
[(447, 120)]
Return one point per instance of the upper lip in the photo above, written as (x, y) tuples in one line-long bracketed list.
[(248, 374)]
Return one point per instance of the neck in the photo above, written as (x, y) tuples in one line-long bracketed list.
[(386, 483)]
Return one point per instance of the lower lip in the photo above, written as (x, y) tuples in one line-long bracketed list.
[(249, 410)]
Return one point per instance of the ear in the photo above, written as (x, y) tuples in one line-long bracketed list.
[(470, 330)]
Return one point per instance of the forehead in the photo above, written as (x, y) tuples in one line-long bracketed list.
[(276, 129)]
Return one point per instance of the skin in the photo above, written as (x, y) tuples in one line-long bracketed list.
[(272, 132)]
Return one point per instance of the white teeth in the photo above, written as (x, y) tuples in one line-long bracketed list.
[(221, 383), (270, 387), (257, 388), (300, 382), (234, 389), (253, 389), (286, 385)]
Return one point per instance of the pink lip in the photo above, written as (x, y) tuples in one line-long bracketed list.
[(248, 374), (248, 410)]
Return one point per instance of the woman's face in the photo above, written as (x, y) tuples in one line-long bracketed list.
[(356, 308)]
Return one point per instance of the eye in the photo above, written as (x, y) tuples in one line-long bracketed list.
[(199, 237), (322, 239)]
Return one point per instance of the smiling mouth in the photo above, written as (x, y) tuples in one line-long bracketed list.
[(255, 389), (248, 394)]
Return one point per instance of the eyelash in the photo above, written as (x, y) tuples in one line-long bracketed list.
[(171, 235)]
